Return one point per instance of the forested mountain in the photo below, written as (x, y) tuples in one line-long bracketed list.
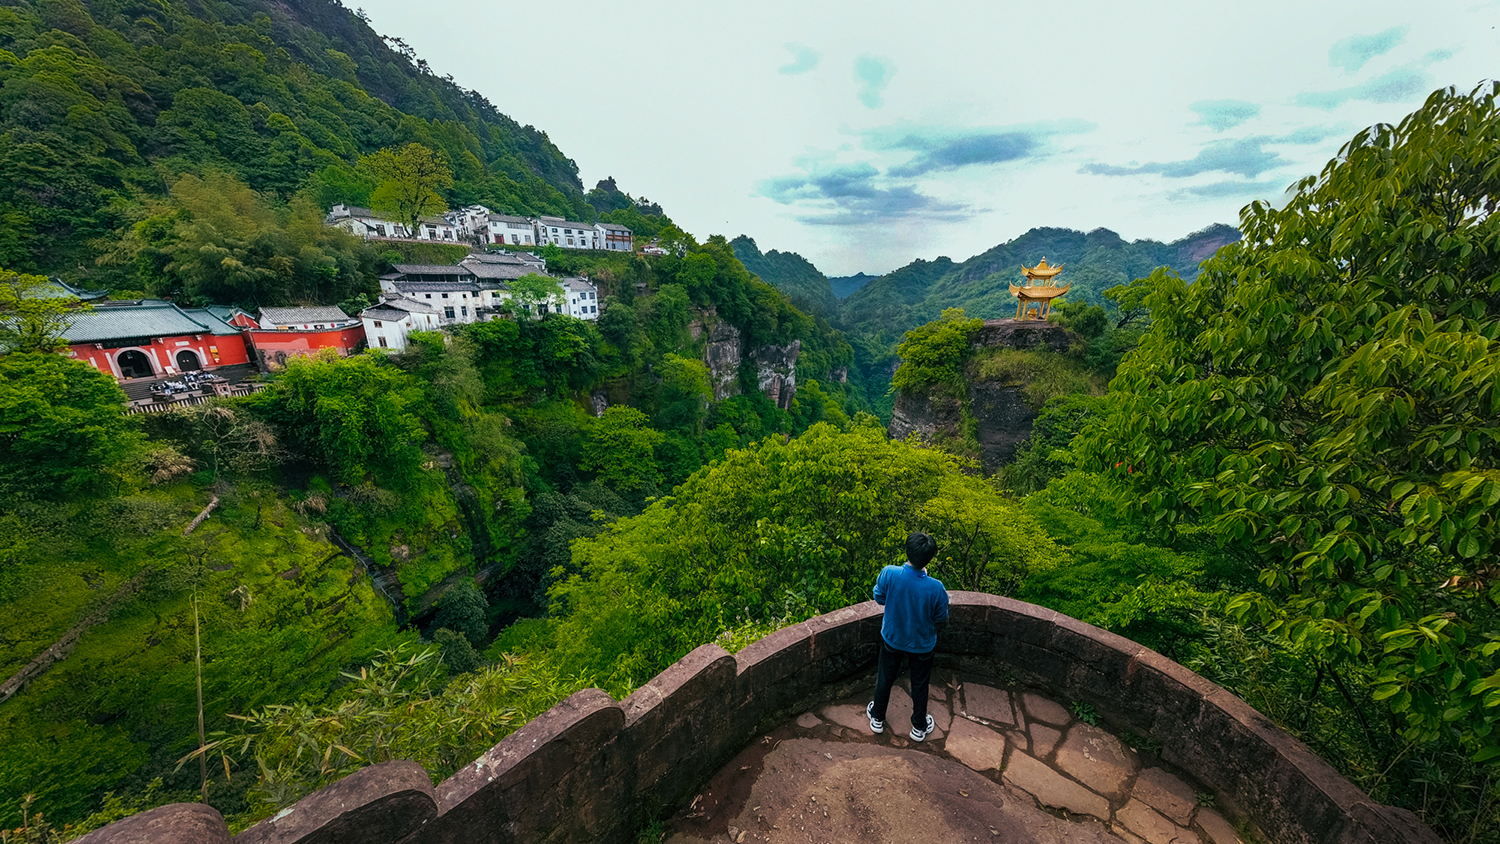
[(845, 285), (107, 104), (881, 311), (790, 273)]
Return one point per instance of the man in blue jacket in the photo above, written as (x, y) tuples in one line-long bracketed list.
[(915, 604)]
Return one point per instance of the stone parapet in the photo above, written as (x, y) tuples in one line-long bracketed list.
[(594, 769)]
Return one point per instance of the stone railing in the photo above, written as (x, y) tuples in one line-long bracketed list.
[(594, 769)]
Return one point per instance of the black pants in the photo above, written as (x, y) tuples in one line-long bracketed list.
[(885, 677)]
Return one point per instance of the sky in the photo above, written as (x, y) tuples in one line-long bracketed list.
[(865, 135)]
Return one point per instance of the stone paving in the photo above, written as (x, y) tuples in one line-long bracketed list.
[(1049, 767)]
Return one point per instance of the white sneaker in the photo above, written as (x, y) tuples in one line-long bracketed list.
[(918, 734), (877, 726)]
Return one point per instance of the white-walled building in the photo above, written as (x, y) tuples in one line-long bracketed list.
[(568, 235), (389, 322), (449, 289), (363, 222), (582, 299), (510, 231), (437, 228), (471, 222), (615, 238)]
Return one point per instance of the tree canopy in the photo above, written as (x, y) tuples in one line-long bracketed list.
[(409, 181), (62, 426), (1327, 397), (33, 313)]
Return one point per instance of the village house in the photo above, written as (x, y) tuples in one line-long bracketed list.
[(616, 238), (510, 231), (491, 278), (568, 235), (582, 299), (437, 228), (450, 289), (472, 222), (528, 259), (390, 321), (363, 222)]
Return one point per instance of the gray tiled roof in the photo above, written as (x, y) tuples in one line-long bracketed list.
[(384, 312), (578, 285), (149, 318), (506, 218), (525, 258), (408, 305), (567, 225), (614, 227), (56, 288), (433, 269), (500, 271), (437, 287), (302, 316), (216, 324)]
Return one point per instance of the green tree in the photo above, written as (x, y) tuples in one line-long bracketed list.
[(534, 290), (354, 416), (458, 654), (622, 449), (932, 355), (815, 517), (463, 610), (1325, 398), (33, 313), (685, 394), (410, 180), (63, 427)]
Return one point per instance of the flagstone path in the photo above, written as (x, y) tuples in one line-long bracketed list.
[(1004, 765)]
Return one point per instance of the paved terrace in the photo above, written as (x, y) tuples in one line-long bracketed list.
[(1004, 765)]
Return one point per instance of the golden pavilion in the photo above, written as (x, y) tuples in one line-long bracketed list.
[(1034, 298)]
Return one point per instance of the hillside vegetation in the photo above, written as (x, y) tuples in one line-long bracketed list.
[(107, 105), (1291, 487)]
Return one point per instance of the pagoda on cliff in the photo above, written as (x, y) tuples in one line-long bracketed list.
[(1034, 298)]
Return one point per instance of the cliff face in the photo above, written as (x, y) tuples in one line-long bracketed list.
[(775, 366), (1002, 419), (722, 355), (776, 371)]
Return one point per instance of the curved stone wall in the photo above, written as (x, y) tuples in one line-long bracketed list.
[(594, 769)]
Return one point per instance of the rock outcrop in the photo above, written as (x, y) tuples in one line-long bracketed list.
[(775, 366), (722, 355), (1023, 335), (776, 372), (1002, 418)]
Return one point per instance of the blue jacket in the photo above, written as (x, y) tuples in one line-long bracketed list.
[(914, 605)]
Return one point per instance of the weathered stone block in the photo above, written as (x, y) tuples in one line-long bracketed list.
[(1151, 826), (988, 703), (975, 745), (1097, 759), (524, 783), (376, 804), (1053, 789), (1166, 794), (175, 823)]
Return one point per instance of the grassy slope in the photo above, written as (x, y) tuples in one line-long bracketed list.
[(120, 710)]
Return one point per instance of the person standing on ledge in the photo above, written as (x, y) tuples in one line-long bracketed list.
[(915, 604)]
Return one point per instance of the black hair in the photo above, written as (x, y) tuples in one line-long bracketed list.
[(920, 549)]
